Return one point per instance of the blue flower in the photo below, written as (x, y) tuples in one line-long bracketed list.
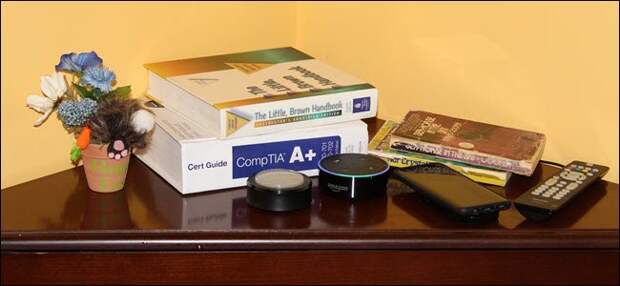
[(76, 113), (73, 62), (98, 77)]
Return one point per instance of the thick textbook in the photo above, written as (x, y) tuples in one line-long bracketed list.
[(193, 159), (508, 149), (380, 146), (260, 92)]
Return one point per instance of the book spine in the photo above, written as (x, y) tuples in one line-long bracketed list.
[(300, 112), (470, 157), (480, 175), (198, 165)]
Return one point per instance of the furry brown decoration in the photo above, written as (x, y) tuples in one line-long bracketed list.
[(112, 122)]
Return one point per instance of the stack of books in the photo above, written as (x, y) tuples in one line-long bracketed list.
[(483, 152), (220, 119)]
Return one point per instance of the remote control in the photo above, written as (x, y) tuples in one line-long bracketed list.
[(546, 198)]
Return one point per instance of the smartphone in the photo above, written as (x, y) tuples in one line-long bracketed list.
[(452, 191)]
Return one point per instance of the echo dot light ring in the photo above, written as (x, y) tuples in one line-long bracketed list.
[(353, 176)]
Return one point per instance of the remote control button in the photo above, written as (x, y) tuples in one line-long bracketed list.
[(557, 197), (587, 169), (589, 164), (572, 186), (595, 170), (590, 174), (572, 176), (546, 195), (551, 182)]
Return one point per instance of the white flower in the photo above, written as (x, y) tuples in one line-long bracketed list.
[(53, 87), (142, 121)]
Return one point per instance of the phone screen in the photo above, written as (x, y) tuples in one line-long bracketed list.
[(447, 185)]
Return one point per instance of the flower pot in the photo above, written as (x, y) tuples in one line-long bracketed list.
[(103, 174)]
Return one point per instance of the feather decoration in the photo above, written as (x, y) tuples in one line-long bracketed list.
[(113, 121)]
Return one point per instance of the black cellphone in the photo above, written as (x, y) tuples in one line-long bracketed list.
[(452, 190)]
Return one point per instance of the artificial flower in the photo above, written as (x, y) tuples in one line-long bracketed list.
[(142, 121), (73, 62), (53, 87), (98, 77), (89, 106), (76, 113)]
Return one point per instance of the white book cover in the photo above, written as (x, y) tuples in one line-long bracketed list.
[(193, 159), (260, 92)]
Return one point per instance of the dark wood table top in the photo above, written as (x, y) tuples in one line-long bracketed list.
[(59, 212)]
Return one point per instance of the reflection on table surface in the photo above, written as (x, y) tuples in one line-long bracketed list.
[(63, 202)]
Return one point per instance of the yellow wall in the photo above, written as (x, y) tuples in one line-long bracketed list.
[(125, 35), (550, 67)]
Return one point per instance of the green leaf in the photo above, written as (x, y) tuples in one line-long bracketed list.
[(97, 94), (85, 93), (76, 154), (122, 91)]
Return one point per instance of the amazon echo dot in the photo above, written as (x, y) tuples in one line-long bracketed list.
[(353, 176), (279, 190)]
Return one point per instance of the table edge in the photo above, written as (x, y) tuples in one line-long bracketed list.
[(174, 240)]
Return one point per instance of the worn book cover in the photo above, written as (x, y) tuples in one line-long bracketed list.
[(380, 146), (468, 141)]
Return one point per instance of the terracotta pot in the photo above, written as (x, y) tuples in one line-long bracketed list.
[(103, 174)]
